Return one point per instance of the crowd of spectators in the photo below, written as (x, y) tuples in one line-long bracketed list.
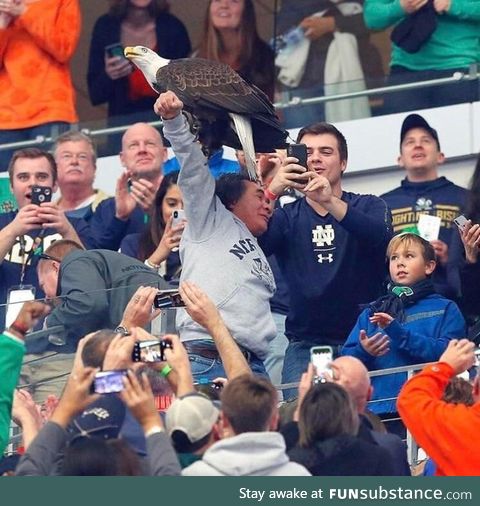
[(223, 246)]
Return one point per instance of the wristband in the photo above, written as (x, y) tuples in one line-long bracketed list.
[(269, 194), (154, 430), (18, 327), (155, 267), (166, 371)]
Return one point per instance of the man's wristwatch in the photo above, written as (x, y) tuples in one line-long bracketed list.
[(122, 330)]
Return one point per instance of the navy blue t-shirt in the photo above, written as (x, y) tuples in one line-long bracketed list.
[(330, 267)]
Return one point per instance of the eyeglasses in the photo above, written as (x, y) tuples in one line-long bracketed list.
[(44, 256), (81, 157)]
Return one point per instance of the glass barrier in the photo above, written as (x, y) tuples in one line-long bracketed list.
[(313, 82), (345, 101)]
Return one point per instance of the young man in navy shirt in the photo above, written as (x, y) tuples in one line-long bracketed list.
[(330, 246)]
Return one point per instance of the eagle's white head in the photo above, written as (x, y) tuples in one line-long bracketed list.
[(146, 60)]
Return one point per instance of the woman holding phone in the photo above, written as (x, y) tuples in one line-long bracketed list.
[(111, 78), (158, 245)]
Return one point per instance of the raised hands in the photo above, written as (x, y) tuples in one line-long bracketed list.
[(117, 67), (130, 191), (138, 397), (470, 235), (199, 306), (376, 345), (459, 355), (139, 310)]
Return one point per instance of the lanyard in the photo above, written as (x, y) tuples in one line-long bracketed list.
[(26, 257)]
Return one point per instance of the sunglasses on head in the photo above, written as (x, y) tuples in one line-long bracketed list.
[(44, 256)]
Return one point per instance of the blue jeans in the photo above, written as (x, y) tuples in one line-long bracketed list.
[(207, 369), (53, 129)]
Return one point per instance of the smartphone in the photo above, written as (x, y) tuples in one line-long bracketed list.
[(477, 357), (460, 221), (108, 382), (321, 358), (298, 151), (178, 216), (150, 351), (114, 50), (168, 299), (41, 194)]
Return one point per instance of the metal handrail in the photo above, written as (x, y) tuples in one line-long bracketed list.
[(455, 78), (293, 102)]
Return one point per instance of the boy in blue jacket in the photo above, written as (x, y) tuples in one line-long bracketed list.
[(410, 325)]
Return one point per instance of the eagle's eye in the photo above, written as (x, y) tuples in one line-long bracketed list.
[(144, 50)]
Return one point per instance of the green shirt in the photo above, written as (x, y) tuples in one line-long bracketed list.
[(454, 44), (11, 356)]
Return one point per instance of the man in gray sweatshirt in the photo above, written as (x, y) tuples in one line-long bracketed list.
[(249, 444), (219, 250)]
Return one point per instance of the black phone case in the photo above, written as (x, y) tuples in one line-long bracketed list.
[(298, 151)]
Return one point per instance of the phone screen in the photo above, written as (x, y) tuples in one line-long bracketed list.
[(321, 358), (109, 382), (114, 50), (168, 299), (149, 351)]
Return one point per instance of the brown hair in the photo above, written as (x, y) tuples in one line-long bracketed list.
[(60, 249), (458, 391), (323, 128), (95, 348), (254, 61), (119, 8), (32, 154), (74, 136), (326, 411), (408, 238), (249, 402)]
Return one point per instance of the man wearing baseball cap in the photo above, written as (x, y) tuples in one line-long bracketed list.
[(191, 424), (423, 191)]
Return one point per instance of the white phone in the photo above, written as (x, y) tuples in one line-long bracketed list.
[(178, 216), (321, 358), (460, 221)]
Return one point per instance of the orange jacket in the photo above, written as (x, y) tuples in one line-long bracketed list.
[(447, 432), (35, 51)]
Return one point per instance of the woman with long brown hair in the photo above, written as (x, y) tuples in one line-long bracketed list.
[(112, 79), (230, 36)]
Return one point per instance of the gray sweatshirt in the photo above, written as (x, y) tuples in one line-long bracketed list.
[(248, 454), (219, 253)]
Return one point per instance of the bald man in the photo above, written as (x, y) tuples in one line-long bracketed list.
[(351, 374), (142, 157)]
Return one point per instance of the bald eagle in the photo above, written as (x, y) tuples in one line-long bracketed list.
[(229, 110)]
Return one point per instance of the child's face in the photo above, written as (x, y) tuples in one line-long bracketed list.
[(407, 265)]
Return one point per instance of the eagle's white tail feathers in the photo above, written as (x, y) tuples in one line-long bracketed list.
[(243, 129)]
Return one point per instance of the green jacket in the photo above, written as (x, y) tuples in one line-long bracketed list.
[(454, 44), (11, 356)]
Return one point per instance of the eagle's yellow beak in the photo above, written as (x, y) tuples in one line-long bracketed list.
[(129, 51)]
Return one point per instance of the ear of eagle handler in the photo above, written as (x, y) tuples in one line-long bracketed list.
[(230, 111)]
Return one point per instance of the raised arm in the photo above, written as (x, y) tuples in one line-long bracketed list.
[(54, 25), (195, 180)]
